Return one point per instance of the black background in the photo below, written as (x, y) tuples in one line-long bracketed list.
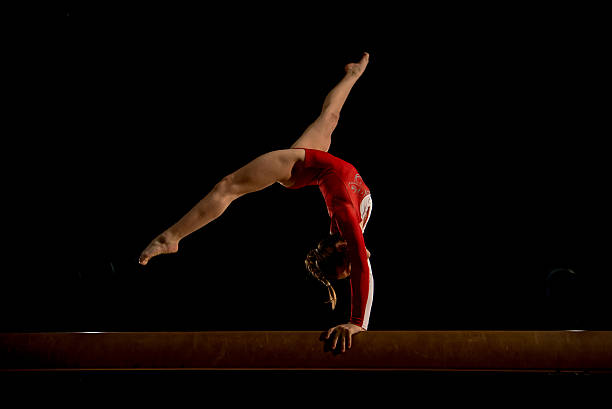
[(478, 131)]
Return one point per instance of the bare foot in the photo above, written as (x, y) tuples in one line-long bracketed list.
[(359, 67), (162, 244)]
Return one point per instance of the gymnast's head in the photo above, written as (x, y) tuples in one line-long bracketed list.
[(329, 261)]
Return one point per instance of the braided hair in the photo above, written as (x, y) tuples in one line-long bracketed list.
[(322, 261)]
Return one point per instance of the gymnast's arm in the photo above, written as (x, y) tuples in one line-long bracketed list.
[(361, 289)]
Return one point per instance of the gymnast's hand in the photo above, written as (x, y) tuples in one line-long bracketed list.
[(344, 333)]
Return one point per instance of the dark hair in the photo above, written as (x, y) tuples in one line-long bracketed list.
[(322, 261)]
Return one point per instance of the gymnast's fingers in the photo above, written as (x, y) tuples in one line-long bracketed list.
[(335, 339)]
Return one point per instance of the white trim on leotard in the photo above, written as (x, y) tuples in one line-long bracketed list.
[(365, 209), (366, 315)]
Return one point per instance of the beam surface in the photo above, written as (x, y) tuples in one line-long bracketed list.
[(285, 350)]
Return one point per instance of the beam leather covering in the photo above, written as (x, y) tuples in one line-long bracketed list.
[(304, 350)]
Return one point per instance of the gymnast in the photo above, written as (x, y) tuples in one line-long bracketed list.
[(343, 252)]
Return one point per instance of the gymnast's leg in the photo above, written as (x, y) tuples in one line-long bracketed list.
[(318, 134), (258, 174)]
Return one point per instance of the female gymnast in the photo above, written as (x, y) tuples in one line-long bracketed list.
[(340, 255)]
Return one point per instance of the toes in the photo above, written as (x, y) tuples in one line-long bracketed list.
[(144, 258)]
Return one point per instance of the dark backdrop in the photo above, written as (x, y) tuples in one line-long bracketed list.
[(477, 131)]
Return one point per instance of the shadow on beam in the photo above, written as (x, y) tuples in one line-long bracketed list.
[(290, 350)]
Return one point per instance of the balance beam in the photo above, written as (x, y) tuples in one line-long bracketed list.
[(303, 350)]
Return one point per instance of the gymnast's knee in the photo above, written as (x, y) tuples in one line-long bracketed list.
[(226, 189), (330, 118)]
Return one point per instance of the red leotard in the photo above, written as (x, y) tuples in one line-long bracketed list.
[(349, 204)]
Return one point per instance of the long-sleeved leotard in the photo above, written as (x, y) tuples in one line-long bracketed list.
[(349, 205)]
